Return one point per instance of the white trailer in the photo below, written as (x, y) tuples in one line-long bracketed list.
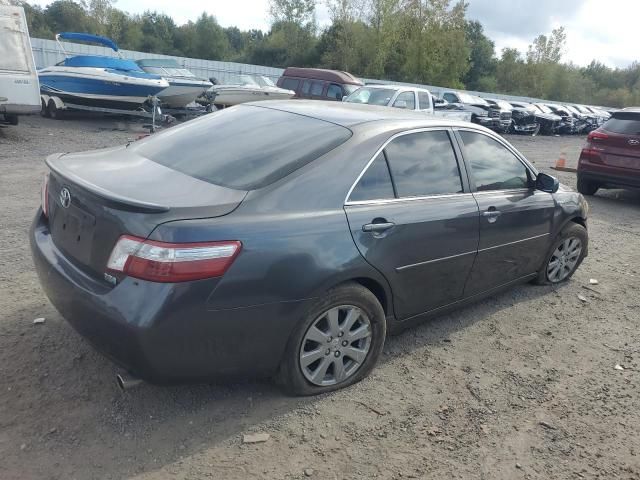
[(19, 87)]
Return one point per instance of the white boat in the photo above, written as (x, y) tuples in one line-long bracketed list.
[(184, 86), (97, 80), (19, 89), (248, 88)]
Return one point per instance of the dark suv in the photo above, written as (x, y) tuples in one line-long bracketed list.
[(318, 83), (611, 157)]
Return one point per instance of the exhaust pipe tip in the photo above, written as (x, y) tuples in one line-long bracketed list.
[(127, 382)]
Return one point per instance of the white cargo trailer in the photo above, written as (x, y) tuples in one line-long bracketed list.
[(19, 87)]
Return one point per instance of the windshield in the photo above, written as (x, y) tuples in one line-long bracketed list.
[(503, 105), (264, 81), (544, 108), (243, 147), (582, 109), (571, 109), (371, 96), (349, 88), (472, 99)]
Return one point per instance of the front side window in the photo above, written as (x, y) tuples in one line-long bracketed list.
[(423, 163), (450, 97), (493, 166), (306, 87), (334, 91), (375, 184), (405, 100), (424, 101), (290, 84)]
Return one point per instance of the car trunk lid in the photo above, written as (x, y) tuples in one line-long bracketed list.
[(95, 197)]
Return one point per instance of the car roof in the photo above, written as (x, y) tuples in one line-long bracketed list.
[(352, 114), (395, 87), (337, 76)]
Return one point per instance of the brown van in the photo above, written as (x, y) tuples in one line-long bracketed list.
[(318, 83)]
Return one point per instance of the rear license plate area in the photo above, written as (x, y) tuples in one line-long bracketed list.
[(72, 231)]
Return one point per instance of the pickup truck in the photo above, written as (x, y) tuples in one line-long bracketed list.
[(409, 98), (482, 113)]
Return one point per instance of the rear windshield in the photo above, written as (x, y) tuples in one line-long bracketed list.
[(624, 123), (244, 147)]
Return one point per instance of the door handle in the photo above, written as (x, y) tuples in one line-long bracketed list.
[(378, 227), (491, 214)]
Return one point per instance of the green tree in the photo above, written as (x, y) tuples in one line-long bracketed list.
[(482, 61)]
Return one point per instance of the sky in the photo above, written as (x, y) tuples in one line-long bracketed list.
[(606, 30)]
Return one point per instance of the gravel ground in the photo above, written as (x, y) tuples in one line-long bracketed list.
[(522, 385)]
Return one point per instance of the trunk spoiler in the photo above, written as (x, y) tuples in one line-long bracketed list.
[(126, 202)]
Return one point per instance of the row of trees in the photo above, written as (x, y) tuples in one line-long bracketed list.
[(419, 41)]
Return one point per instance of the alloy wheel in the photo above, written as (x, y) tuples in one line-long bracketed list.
[(336, 345), (564, 259)]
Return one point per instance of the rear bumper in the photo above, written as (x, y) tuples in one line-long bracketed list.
[(163, 332), (609, 179)]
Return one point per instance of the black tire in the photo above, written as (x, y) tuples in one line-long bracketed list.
[(11, 119), (54, 112), (571, 230), (44, 110), (587, 187), (290, 375)]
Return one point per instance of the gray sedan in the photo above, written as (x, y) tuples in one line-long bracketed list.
[(287, 238)]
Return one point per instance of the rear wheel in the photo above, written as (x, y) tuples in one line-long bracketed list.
[(44, 110), (11, 119), (337, 344), (54, 111), (587, 187), (566, 255)]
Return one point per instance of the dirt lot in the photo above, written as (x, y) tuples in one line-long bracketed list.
[(522, 385)]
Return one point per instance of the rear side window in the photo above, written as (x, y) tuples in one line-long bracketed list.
[(290, 84), (306, 87), (423, 163), (244, 147), (375, 184), (493, 166), (317, 88), (623, 123)]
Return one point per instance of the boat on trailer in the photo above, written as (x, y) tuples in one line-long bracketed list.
[(247, 88), (98, 80), (184, 86)]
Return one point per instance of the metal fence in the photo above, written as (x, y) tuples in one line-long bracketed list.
[(47, 53)]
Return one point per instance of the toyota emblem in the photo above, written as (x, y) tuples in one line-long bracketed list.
[(65, 197)]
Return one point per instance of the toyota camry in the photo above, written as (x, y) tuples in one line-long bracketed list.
[(287, 238)]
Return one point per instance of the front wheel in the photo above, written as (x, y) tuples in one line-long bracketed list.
[(566, 255), (337, 343)]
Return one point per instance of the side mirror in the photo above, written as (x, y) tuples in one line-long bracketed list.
[(547, 183), (400, 104)]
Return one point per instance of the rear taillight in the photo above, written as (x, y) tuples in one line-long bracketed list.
[(171, 262), (44, 194), (597, 136)]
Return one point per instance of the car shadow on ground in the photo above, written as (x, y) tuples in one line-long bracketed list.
[(63, 401)]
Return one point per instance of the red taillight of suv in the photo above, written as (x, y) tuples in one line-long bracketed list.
[(44, 194), (591, 151), (171, 262)]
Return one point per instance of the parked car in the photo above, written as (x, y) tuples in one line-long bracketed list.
[(279, 238), (568, 124), (549, 123), (495, 118), (318, 83), (409, 98), (591, 118), (611, 157)]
